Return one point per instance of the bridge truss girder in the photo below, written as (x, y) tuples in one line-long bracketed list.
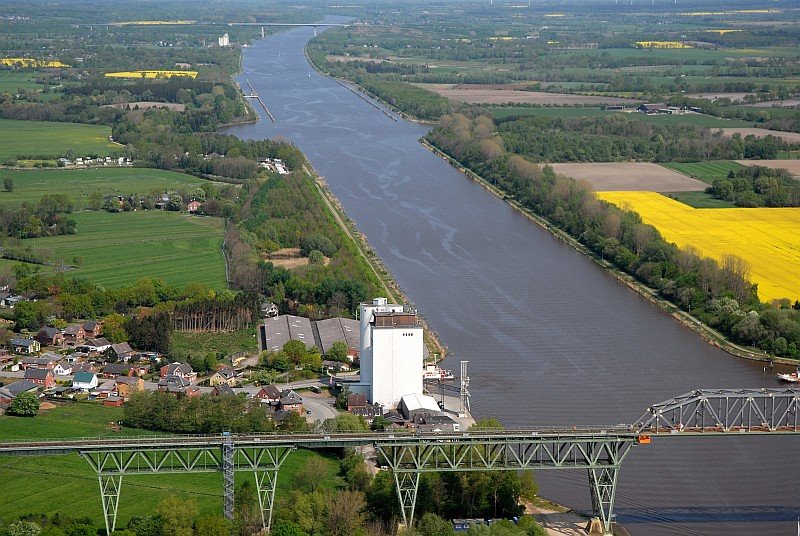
[(725, 410), (602, 456), (112, 464)]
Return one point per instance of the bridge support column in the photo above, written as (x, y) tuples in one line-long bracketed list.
[(407, 484), (228, 477), (266, 482), (110, 487), (603, 483)]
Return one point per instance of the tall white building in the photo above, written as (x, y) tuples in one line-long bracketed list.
[(391, 352), (224, 41)]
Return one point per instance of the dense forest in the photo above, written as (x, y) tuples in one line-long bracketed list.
[(719, 295)]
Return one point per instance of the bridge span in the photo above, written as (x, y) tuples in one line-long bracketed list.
[(600, 450)]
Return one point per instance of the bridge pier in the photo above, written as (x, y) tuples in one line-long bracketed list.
[(407, 484), (603, 487), (110, 487), (266, 474), (228, 481)]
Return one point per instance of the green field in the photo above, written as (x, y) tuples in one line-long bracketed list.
[(707, 172), (700, 200), (12, 81), (116, 249), (46, 485), (79, 184), (227, 343), (52, 140)]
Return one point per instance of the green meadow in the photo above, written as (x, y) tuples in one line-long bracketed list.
[(707, 172), (52, 140), (79, 184), (67, 484), (115, 249)]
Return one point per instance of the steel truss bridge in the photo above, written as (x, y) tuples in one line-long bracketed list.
[(598, 450)]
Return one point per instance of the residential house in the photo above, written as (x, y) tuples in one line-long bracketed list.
[(436, 423), (97, 345), (106, 389), (50, 336), (182, 370), (74, 333), (356, 400), (122, 351), (83, 367), (290, 401), (41, 377), (224, 376), (173, 384), (84, 381), (92, 329), (113, 401), (25, 346), (269, 394), (222, 389), (63, 368), (139, 369), (8, 392), (369, 412), (193, 206), (112, 370), (11, 300), (127, 385), (337, 366), (269, 310), (47, 361)]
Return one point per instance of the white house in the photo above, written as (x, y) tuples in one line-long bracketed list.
[(84, 381), (62, 368), (391, 352)]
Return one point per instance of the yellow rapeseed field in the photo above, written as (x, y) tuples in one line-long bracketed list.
[(768, 239), (151, 74), (31, 62), (723, 31), (661, 44)]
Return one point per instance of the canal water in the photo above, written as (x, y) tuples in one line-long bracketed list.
[(550, 337)]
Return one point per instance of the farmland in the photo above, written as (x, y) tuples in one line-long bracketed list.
[(70, 476), (768, 239), (12, 82), (493, 95), (700, 120), (51, 140), (629, 176), (115, 249), (707, 172), (79, 184)]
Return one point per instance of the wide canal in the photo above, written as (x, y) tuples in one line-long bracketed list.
[(550, 337)]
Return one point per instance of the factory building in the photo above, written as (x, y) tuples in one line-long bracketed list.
[(224, 41), (391, 352)]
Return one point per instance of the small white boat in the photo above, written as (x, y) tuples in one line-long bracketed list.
[(432, 372), (791, 377)]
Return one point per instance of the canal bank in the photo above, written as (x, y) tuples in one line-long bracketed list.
[(708, 334), (551, 337)]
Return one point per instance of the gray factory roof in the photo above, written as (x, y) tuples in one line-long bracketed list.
[(281, 329), (337, 329)]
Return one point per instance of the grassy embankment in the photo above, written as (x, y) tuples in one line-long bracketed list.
[(50, 484), (51, 140)]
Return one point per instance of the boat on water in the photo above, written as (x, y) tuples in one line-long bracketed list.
[(432, 372), (791, 377)]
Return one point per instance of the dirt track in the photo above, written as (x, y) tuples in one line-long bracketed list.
[(630, 176)]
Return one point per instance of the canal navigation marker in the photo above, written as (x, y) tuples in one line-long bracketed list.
[(599, 450)]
